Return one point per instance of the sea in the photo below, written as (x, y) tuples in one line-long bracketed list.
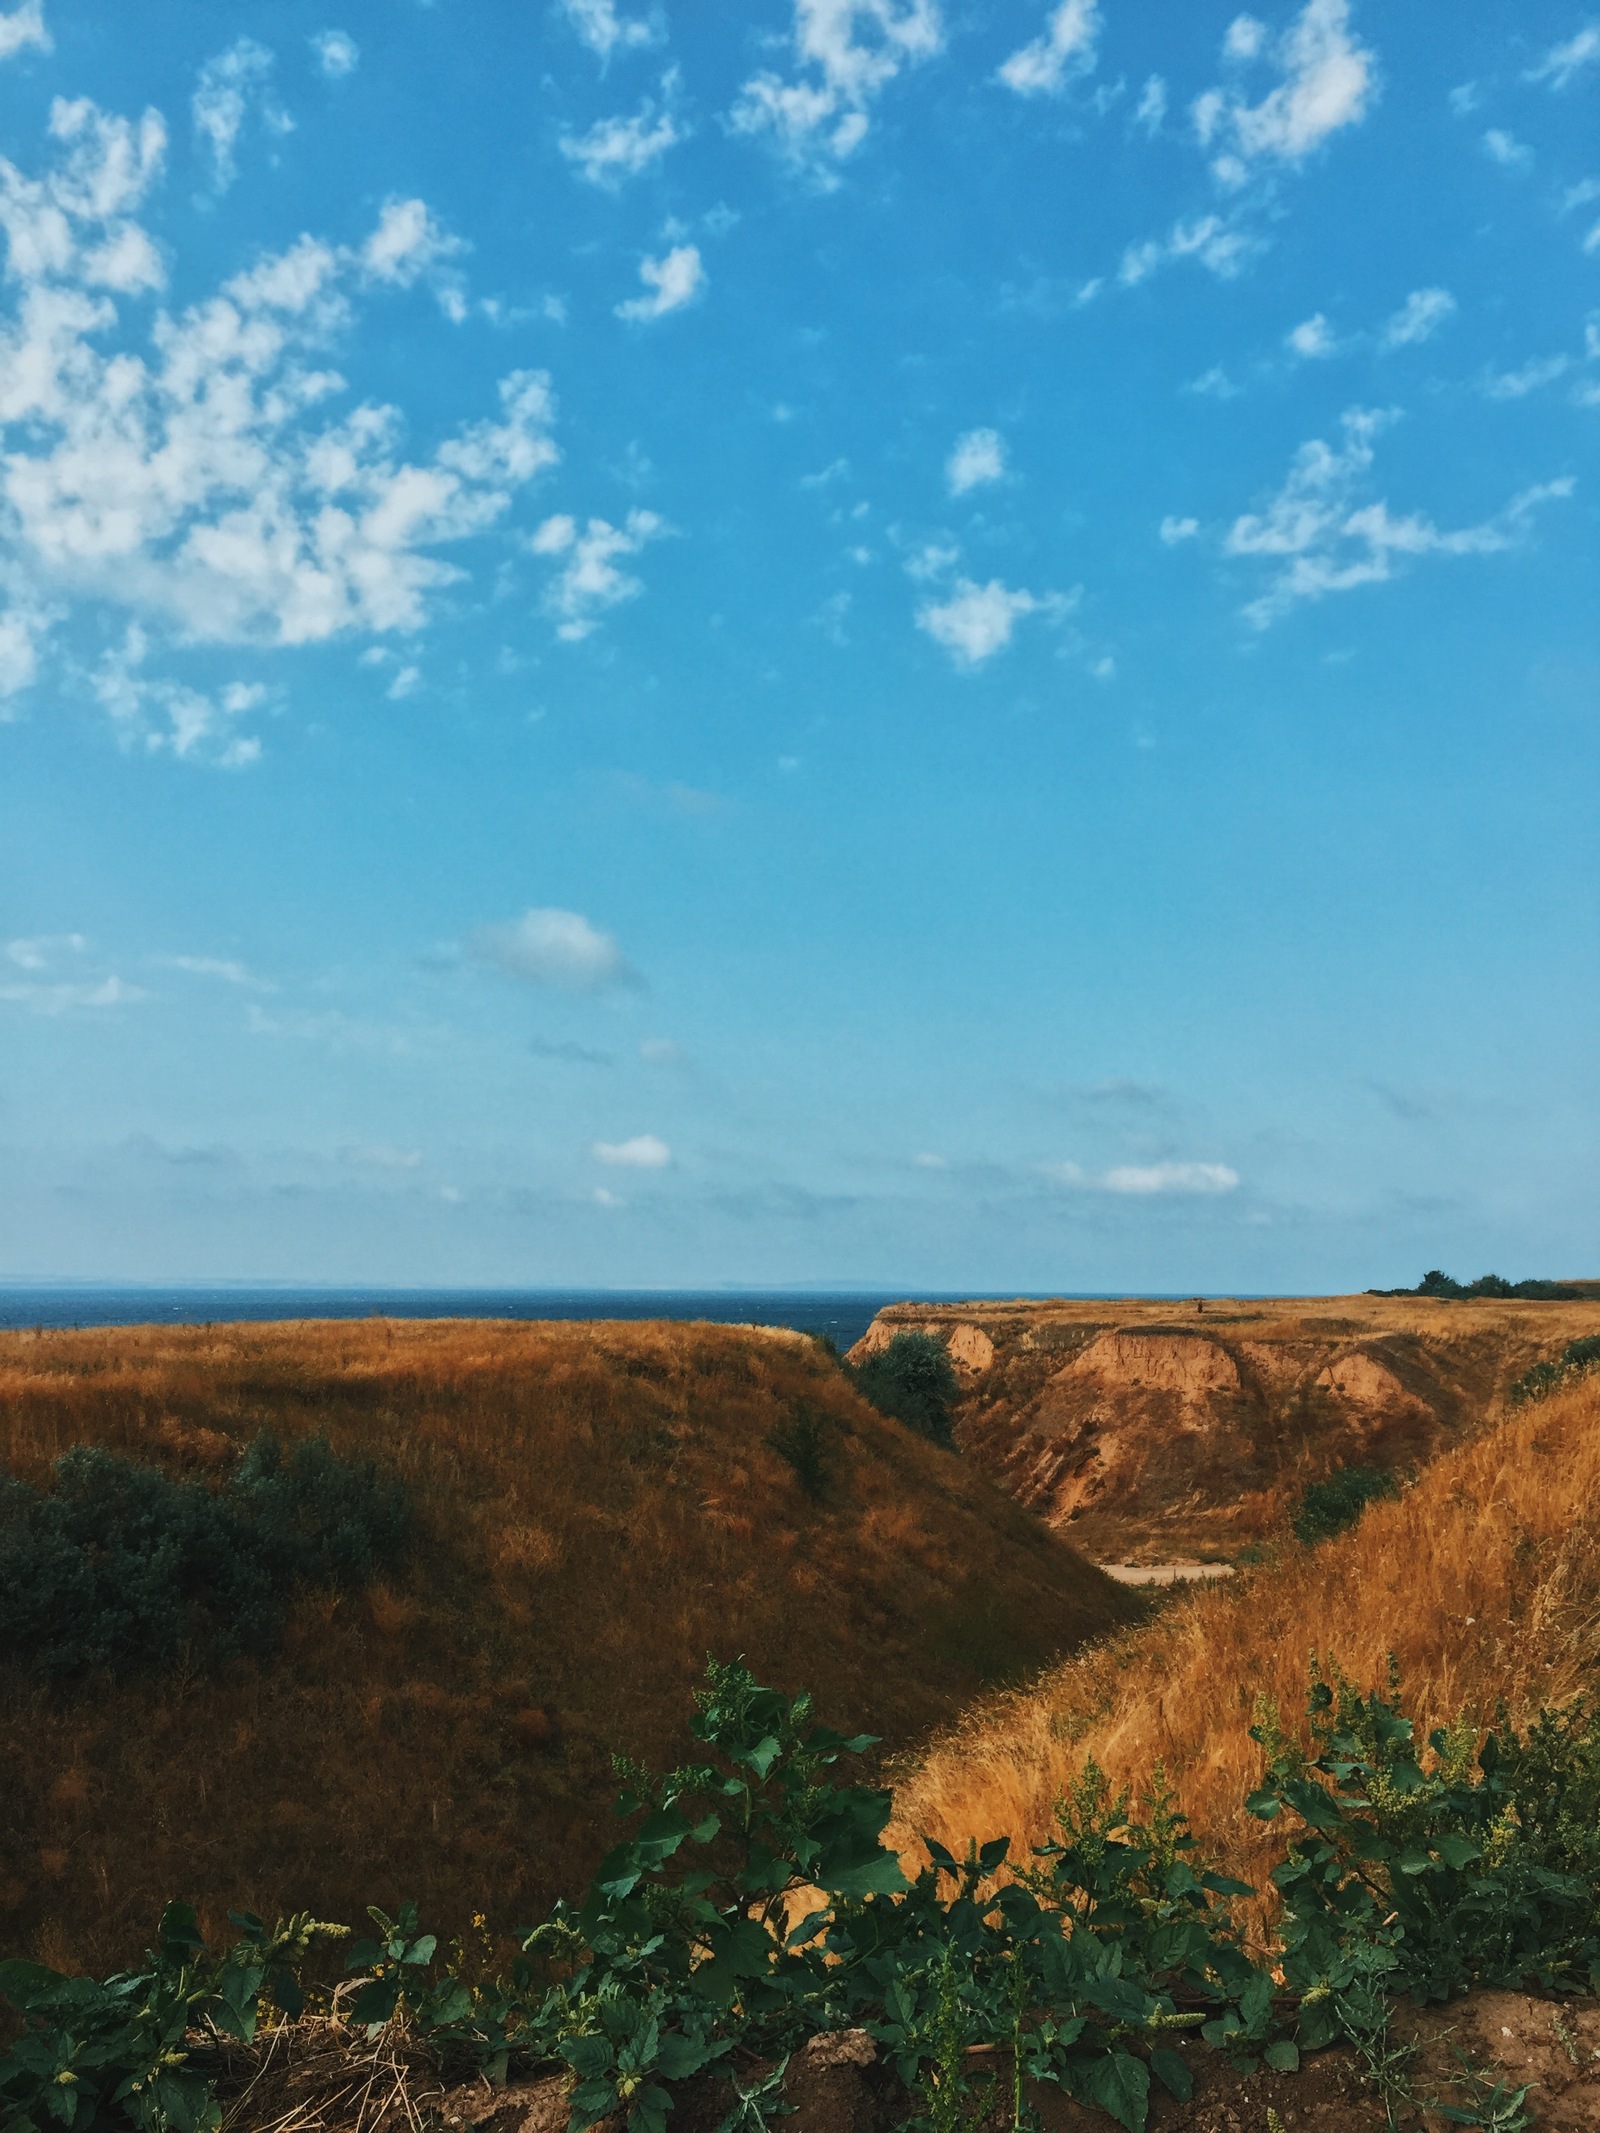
[(843, 1314)]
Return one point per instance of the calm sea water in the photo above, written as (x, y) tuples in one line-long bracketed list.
[(845, 1315)]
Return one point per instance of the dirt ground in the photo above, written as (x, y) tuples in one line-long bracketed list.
[(1454, 2056)]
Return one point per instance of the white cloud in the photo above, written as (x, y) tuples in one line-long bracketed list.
[(1419, 317), (1563, 61), (1465, 99), (61, 999), (589, 581), (977, 458), (1313, 337), (673, 281), (930, 1162), (604, 31), (1505, 149), (43, 949), (932, 560), (1328, 82), (1214, 384), (1170, 1177), (978, 620), (616, 149), (24, 26), (553, 947), (223, 968), (407, 243), (1215, 241), (643, 1152), (660, 1051), (1174, 530), (1538, 371), (198, 482), (406, 683), (1065, 51), (846, 52), (1321, 540), (337, 53), (157, 713), (1152, 105), (229, 86)]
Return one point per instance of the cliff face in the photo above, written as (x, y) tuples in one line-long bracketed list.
[(1154, 1430)]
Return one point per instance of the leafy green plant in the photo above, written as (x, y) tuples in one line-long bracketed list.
[(120, 1565), (914, 1381), (1426, 1872), (1329, 1506), (1576, 1360), (803, 1442), (135, 2047)]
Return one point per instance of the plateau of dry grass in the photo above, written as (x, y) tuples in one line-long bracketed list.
[(1483, 1580), (598, 1507)]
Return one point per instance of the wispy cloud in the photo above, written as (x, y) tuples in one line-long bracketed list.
[(224, 969), (1506, 150), (1419, 318), (644, 1151), (615, 149), (231, 86), (547, 946), (1173, 530), (977, 459), (673, 281), (590, 580), (1215, 241), (1312, 338), (1564, 62), (605, 31), (976, 621), (337, 53), (1170, 1178), (1320, 539), (1328, 81), (24, 27), (1529, 377), (1065, 51), (846, 52)]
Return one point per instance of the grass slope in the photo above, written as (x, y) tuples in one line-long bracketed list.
[(1483, 1580), (598, 1506)]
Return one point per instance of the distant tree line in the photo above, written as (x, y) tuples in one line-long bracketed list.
[(1437, 1283)]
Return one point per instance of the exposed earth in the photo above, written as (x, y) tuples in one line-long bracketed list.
[(1162, 1433), (318, 2077)]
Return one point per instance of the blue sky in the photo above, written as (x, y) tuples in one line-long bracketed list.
[(865, 641)]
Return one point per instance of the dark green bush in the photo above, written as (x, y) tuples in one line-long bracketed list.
[(1328, 1507), (803, 1441), (120, 1565), (1429, 1873), (913, 1380), (1576, 1360)]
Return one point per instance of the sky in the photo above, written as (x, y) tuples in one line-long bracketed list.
[(935, 644)]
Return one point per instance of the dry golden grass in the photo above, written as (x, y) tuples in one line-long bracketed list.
[(1483, 1580), (598, 1507)]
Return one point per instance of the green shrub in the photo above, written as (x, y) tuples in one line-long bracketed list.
[(803, 1441), (119, 1565), (914, 1381), (1328, 1507), (1429, 1873), (1576, 1360)]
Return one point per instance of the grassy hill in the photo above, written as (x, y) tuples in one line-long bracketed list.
[(597, 1507), (1483, 1580)]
